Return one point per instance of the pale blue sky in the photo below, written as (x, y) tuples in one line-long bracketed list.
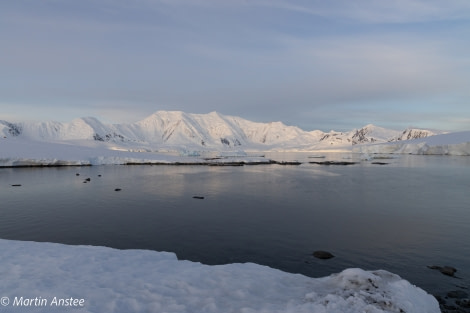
[(336, 64)]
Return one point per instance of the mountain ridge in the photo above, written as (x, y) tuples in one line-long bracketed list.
[(212, 131)]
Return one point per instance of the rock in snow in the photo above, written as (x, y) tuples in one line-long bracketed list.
[(58, 278)]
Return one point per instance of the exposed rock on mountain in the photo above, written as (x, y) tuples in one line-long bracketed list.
[(412, 133)]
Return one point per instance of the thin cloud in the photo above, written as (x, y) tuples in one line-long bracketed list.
[(295, 61), (372, 11), (367, 11)]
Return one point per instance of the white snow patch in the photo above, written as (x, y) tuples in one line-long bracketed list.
[(110, 280)]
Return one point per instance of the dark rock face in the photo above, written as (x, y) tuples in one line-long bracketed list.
[(225, 141), (413, 134), (324, 255), (97, 137), (361, 136), (13, 129), (108, 137)]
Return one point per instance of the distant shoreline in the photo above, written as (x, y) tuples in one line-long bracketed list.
[(197, 163)]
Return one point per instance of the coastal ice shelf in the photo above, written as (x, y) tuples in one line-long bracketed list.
[(50, 277), (447, 144)]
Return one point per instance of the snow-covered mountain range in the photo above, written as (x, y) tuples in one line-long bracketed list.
[(175, 130), (177, 137)]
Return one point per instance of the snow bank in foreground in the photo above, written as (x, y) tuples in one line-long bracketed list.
[(47, 277), (447, 144)]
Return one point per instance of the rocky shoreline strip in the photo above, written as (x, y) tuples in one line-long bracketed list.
[(454, 301)]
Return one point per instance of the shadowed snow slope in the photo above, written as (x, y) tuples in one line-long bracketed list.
[(38, 275)]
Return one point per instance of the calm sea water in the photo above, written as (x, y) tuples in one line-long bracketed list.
[(403, 216)]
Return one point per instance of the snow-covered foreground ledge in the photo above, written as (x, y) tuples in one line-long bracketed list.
[(49, 277)]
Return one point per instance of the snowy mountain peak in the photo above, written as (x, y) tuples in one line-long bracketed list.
[(371, 133)]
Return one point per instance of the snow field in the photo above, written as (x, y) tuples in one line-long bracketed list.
[(110, 280)]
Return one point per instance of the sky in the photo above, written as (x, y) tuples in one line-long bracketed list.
[(336, 64)]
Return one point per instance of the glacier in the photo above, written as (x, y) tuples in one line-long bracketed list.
[(36, 276), (457, 144)]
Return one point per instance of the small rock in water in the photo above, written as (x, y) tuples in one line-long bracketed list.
[(88, 179), (16, 185), (464, 303), (198, 197), (99, 175), (117, 189), (457, 294), (77, 174), (434, 267), (446, 270), (324, 255)]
